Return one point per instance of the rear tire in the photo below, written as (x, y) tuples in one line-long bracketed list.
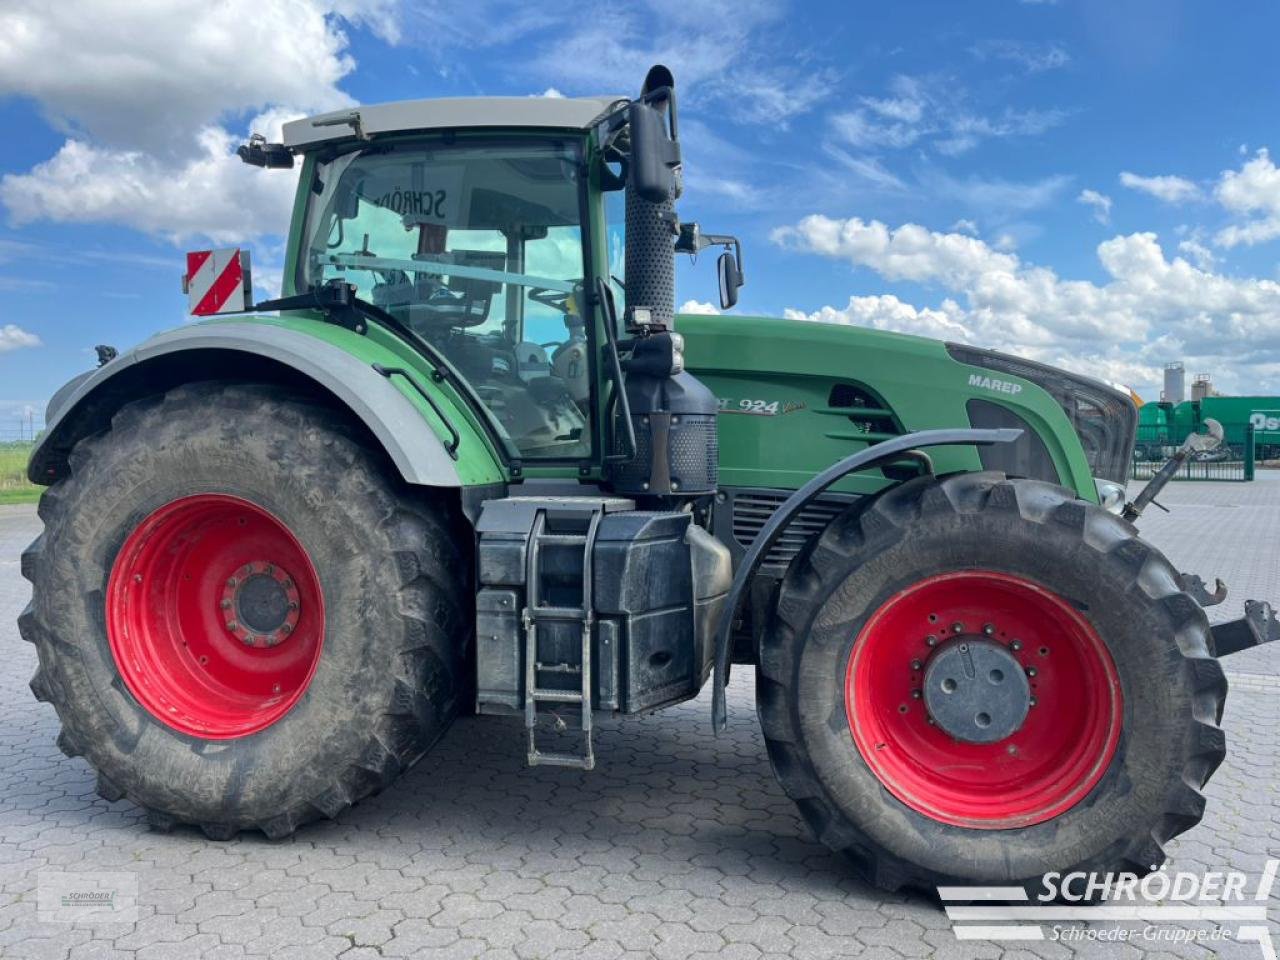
[(361, 678), (948, 816)]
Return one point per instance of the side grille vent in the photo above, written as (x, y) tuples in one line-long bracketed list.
[(751, 511), (865, 411)]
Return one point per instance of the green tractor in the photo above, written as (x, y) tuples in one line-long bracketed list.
[(465, 467)]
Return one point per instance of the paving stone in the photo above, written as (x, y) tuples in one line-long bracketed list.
[(678, 845)]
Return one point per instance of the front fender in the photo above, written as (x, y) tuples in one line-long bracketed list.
[(409, 430), (871, 456)]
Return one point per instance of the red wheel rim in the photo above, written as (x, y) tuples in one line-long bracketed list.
[(1047, 766), (215, 616)]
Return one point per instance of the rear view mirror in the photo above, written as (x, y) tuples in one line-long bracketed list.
[(730, 274), (655, 147)]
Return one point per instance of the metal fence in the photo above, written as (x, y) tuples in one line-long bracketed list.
[(20, 429), (1235, 459)]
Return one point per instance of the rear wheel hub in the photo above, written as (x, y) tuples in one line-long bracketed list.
[(215, 616)]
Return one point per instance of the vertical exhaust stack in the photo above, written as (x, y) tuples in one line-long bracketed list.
[(673, 414), (650, 223)]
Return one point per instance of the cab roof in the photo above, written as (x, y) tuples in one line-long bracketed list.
[(552, 113)]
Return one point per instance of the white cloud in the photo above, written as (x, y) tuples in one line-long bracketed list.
[(865, 168), (1100, 203), (887, 312), (1198, 253), (211, 194), (150, 75), (699, 307), (910, 252), (1253, 190), (13, 337), (1032, 58), (153, 96), (936, 111), (551, 93), (965, 226), (722, 52), (996, 197), (1168, 188), (1152, 308)]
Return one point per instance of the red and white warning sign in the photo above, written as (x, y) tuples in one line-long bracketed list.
[(218, 281)]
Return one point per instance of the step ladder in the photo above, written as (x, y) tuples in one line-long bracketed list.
[(535, 614)]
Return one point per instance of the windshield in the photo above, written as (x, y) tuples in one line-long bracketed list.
[(479, 249)]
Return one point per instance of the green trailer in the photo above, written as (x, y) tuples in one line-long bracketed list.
[(471, 461)]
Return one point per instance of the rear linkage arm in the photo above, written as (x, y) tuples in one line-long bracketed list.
[(897, 449)]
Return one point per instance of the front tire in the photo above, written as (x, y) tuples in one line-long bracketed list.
[(242, 620), (1105, 746)]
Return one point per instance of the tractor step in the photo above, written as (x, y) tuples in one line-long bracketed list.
[(538, 612), (584, 605)]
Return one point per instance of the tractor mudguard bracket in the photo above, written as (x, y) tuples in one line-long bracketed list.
[(1257, 626), (889, 450)]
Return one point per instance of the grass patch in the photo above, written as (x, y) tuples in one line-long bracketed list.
[(14, 485)]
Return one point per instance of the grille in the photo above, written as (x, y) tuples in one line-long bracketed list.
[(695, 453), (692, 455), (751, 511)]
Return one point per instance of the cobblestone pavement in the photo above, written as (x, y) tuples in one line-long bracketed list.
[(678, 845)]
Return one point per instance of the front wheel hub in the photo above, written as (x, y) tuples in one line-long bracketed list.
[(976, 691), (983, 699)]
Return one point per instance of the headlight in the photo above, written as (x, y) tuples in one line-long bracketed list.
[(1105, 420)]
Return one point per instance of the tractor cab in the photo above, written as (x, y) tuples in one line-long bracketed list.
[(480, 248), (478, 226)]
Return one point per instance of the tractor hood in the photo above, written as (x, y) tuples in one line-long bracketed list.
[(795, 396)]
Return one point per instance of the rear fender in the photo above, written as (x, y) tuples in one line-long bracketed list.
[(409, 431)]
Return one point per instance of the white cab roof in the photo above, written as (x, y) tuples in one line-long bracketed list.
[(558, 113)]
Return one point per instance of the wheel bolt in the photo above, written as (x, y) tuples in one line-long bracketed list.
[(275, 688), (285, 628), (931, 640), (293, 604), (1034, 701), (226, 604), (988, 629), (247, 640), (232, 626), (1031, 671), (232, 582), (957, 627), (1016, 645), (137, 578), (916, 694), (916, 664)]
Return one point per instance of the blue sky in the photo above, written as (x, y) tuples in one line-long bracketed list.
[(1086, 182)]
